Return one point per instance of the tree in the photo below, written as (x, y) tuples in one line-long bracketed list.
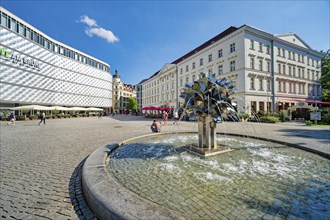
[(132, 104), (325, 76)]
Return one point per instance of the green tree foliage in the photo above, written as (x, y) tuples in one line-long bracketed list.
[(325, 77), (132, 104)]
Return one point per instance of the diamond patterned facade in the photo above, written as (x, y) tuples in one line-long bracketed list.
[(33, 74)]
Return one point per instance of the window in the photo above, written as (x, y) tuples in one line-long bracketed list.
[(193, 65), (261, 106), (260, 65), (232, 65), (293, 56), (252, 63), (299, 72), (290, 87), (201, 62), (220, 69), (303, 73), (283, 53), (4, 21), (180, 82), (13, 24), (293, 71), (193, 77), (308, 61), (21, 29), (28, 33), (268, 66), (278, 51), (268, 49), (261, 88), (251, 44), (279, 68), (232, 47), (187, 68), (289, 55), (220, 53), (300, 88), (251, 83), (181, 70), (260, 47), (253, 107), (283, 69), (210, 57), (187, 79), (268, 85), (290, 72), (210, 71), (279, 86)]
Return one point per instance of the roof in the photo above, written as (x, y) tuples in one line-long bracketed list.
[(290, 34), (223, 34)]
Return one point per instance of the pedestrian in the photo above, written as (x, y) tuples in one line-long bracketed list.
[(165, 118), (155, 127), (175, 117), (11, 119), (42, 117)]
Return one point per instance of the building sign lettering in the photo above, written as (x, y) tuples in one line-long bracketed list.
[(17, 58)]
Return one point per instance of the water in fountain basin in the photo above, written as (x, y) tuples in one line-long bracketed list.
[(256, 179)]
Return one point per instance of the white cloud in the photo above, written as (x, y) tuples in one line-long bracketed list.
[(94, 29), (103, 33), (90, 22)]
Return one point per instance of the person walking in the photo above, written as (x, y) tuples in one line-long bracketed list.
[(165, 118), (11, 119), (42, 117)]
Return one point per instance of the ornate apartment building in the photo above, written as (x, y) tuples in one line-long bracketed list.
[(121, 93), (271, 72)]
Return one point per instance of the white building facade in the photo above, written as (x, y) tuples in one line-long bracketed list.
[(36, 69), (271, 72)]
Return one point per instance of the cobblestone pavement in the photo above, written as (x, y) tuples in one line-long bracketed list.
[(40, 167)]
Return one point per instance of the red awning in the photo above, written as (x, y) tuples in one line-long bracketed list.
[(156, 108), (318, 102)]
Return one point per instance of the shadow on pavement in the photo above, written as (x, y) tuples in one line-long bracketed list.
[(320, 135)]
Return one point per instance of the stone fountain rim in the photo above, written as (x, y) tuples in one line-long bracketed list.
[(99, 187)]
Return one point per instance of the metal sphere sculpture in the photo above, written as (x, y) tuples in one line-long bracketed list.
[(208, 99), (209, 96)]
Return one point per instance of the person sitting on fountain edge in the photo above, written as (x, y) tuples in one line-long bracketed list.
[(155, 127)]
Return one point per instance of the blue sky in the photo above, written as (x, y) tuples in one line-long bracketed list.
[(138, 37)]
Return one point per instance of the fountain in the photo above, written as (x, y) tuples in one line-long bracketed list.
[(156, 177), (208, 99)]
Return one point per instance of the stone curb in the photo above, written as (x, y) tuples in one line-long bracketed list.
[(108, 199)]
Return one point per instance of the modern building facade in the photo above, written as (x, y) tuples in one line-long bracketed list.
[(271, 72), (121, 93), (36, 69)]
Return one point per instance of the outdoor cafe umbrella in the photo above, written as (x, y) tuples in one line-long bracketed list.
[(60, 108), (33, 107), (94, 109), (77, 109)]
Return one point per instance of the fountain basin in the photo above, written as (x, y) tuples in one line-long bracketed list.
[(140, 181)]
